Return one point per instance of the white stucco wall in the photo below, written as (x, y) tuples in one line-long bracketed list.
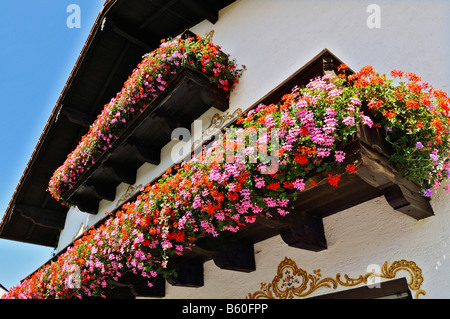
[(371, 233), (274, 39), (2, 292)]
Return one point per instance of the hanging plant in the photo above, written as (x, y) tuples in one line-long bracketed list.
[(147, 81), (416, 120), (236, 180)]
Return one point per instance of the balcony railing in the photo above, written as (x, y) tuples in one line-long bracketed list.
[(189, 94)]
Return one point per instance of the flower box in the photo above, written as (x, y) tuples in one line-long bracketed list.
[(331, 157), (374, 175), (172, 86), (145, 88), (188, 95)]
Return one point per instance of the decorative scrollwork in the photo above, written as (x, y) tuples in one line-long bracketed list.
[(218, 121), (291, 281), (131, 190)]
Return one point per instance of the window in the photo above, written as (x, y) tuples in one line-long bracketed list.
[(392, 289)]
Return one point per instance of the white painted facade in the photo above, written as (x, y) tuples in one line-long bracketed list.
[(276, 38), (2, 291)]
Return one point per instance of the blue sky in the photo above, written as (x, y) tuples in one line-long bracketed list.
[(38, 52)]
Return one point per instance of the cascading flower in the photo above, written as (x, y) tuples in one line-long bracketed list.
[(222, 189), (146, 82), (416, 120)]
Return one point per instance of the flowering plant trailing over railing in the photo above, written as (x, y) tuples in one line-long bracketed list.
[(226, 187), (416, 120), (146, 82)]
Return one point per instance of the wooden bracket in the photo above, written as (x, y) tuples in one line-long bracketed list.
[(146, 155), (402, 194), (139, 287), (124, 174), (42, 217), (408, 202), (87, 205), (238, 257), (102, 190), (77, 117), (189, 274), (308, 234)]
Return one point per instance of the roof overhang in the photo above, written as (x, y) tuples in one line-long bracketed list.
[(124, 31)]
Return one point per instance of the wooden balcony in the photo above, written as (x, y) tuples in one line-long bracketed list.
[(189, 94), (303, 228)]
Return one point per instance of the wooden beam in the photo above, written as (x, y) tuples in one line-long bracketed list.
[(402, 194), (119, 291), (127, 35), (42, 217), (239, 257), (111, 77), (170, 122), (328, 64), (394, 288), (102, 190), (156, 14), (124, 174), (146, 155), (308, 234), (77, 117), (139, 285), (142, 289), (87, 205), (189, 274), (211, 15), (408, 203)]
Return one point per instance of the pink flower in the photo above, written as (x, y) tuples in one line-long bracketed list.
[(355, 101), (282, 212), (366, 120), (349, 121), (166, 244), (339, 156), (323, 152), (299, 184), (259, 182)]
